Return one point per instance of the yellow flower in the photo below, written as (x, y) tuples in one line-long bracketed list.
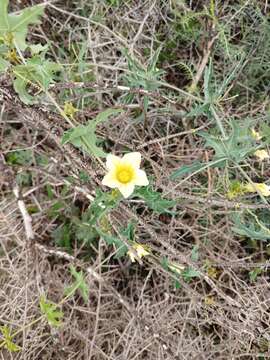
[(140, 251), (209, 300), (69, 109), (261, 154), (255, 134), (258, 187), (124, 173), (236, 189), (212, 272)]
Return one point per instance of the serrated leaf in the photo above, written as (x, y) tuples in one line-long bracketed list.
[(129, 232), (250, 228), (154, 200), (51, 312), (8, 339), (85, 228), (14, 27), (139, 77), (62, 236), (121, 247), (235, 147), (84, 137), (79, 284), (200, 110), (190, 273), (20, 157), (36, 71)]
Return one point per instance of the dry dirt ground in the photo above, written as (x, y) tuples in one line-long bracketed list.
[(134, 310)]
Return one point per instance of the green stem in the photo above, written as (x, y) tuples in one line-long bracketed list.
[(218, 121)]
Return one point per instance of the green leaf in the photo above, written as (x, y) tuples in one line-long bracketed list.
[(253, 274), (51, 312), (129, 232), (38, 48), (198, 110), (24, 178), (14, 27), (152, 67), (79, 284), (190, 273), (42, 160), (38, 72), (84, 177), (212, 91), (62, 236), (231, 76), (196, 167), (84, 137), (20, 157), (3, 14), (177, 270), (7, 337), (103, 203), (121, 247), (85, 228), (195, 253), (250, 227), (3, 65), (208, 89), (104, 115), (84, 231), (141, 78), (54, 210), (154, 200), (165, 263), (236, 147)]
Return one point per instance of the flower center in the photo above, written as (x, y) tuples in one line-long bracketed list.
[(124, 175)]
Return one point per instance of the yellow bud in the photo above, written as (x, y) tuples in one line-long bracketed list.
[(258, 187), (176, 268), (255, 134), (140, 250)]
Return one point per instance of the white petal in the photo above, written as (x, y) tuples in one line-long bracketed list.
[(126, 190), (141, 178), (110, 180), (134, 158), (112, 161), (131, 255)]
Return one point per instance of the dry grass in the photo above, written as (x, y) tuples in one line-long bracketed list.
[(134, 311)]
